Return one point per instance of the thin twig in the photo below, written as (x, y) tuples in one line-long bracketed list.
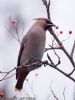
[(16, 28), (29, 67), (56, 48), (35, 65), (72, 51), (11, 34), (57, 57), (53, 93), (64, 93), (49, 58)]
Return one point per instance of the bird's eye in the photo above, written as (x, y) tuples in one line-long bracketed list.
[(48, 22), (46, 27)]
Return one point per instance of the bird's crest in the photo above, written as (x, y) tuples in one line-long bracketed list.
[(48, 20)]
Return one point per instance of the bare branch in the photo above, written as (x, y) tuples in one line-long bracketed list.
[(53, 93), (72, 51), (49, 58), (11, 34), (36, 65), (65, 39), (64, 93), (47, 7), (44, 2), (56, 48), (64, 50), (56, 38), (16, 27), (6, 74), (29, 67), (57, 57), (71, 72), (5, 78)]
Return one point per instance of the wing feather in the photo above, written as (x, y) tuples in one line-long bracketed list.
[(23, 45)]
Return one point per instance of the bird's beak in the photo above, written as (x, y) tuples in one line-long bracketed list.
[(50, 25)]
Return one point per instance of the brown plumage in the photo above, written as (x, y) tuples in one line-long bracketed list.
[(32, 48)]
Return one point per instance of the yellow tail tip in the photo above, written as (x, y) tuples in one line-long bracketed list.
[(18, 90)]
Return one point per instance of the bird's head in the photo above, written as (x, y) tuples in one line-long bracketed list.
[(45, 23)]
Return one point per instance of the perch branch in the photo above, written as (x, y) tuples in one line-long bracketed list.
[(32, 66)]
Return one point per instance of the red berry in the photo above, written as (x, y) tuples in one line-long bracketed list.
[(56, 27), (13, 22), (1, 94), (70, 32), (36, 74), (61, 46), (61, 32)]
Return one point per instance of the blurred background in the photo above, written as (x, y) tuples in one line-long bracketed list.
[(38, 86)]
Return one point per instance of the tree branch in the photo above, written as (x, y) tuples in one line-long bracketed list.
[(36, 65), (56, 38), (72, 51), (64, 93)]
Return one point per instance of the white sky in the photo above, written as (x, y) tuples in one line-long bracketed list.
[(62, 14)]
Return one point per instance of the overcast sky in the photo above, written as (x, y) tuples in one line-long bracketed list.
[(62, 14)]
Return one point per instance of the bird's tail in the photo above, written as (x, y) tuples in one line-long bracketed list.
[(18, 90), (22, 74), (19, 85)]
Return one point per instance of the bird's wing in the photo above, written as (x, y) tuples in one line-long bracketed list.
[(23, 45)]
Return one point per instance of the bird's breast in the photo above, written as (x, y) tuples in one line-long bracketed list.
[(34, 47), (36, 44)]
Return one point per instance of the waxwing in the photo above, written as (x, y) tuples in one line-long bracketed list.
[(32, 49)]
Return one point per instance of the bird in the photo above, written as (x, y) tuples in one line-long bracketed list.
[(32, 49)]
